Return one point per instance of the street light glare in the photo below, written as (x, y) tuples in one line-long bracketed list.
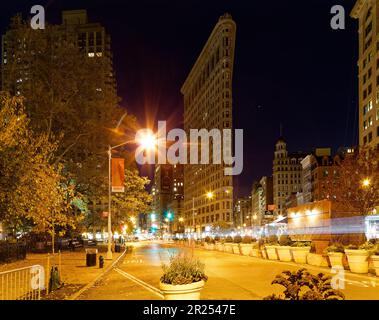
[(366, 182), (210, 195), (148, 141)]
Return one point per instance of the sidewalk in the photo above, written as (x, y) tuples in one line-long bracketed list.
[(75, 273)]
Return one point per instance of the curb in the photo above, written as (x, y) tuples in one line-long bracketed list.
[(90, 284)]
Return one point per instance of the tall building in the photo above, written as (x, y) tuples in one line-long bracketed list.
[(167, 193), (207, 95), (242, 212), (367, 13), (262, 202), (287, 175), (316, 166), (90, 37)]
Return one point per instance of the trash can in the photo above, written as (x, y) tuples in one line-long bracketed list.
[(91, 256)]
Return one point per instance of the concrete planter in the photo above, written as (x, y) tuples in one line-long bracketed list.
[(246, 249), (182, 292), (228, 247), (284, 253), (219, 246), (300, 254), (271, 252), (264, 253), (211, 246), (336, 259), (358, 260), (236, 248), (375, 263), (255, 252), (317, 260)]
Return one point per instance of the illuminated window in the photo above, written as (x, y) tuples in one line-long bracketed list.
[(91, 54), (99, 54)]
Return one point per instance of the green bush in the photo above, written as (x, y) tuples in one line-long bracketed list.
[(301, 244), (335, 247), (247, 240), (302, 285), (228, 239), (208, 239), (285, 240), (237, 239), (183, 269), (217, 238)]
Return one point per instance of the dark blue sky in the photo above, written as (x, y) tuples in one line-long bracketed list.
[(290, 66)]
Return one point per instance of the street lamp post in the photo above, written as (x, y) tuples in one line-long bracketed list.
[(109, 252), (148, 144)]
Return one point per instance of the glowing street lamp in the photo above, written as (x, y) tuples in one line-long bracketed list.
[(209, 195), (366, 183), (148, 142)]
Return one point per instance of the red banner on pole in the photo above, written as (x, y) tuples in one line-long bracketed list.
[(118, 175)]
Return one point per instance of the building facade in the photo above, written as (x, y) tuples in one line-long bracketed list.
[(287, 175), (91, 38), (242, 212), (168, 197), (367, 13), (207, 94), (262, 202)]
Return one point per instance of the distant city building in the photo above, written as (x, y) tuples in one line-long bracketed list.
[(287, 175), (167, 193), (242, 212), (316, 166), (367, 13), (90, 37), (262, 202), (208, 101)]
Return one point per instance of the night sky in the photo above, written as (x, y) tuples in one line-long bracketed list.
[(291, 68)]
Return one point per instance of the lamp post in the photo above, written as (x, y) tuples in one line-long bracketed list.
[(149, 142)]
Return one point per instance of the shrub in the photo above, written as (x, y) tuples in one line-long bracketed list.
[(183, 269), (208, 239), (301, 244), (246, 239), (229, 239), (237, 239), (217, 238), (285, 240), (301, 285), (335, 247), (367, 246), (272, 240)]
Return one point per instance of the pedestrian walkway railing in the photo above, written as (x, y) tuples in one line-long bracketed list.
[(22, 284)]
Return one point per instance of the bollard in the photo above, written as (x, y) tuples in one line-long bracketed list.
[(101, 262)]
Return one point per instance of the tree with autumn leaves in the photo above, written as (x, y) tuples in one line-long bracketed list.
[(54, 151), (354, 184), (33, 191)]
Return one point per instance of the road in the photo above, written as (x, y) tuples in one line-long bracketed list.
[(231, 277)]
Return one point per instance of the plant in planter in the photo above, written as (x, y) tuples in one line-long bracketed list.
[(357, 256), (236, 244), (302, 285), (228, 244), (375, 259), (255, 249), (300, 250), (284, 248), (335, 253), (272, 243), (245, 245), (207, 241), (182, 278)]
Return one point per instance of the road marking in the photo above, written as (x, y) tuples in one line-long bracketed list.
[(141, 283)]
